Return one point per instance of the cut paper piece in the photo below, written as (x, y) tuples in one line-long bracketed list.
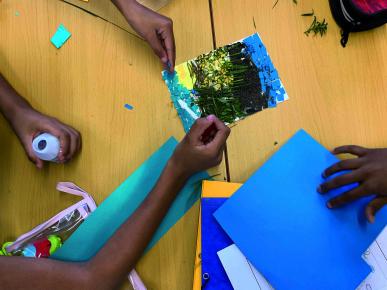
[(209, 189), (129, 107), (283, 227), (214, 239), (375, 256), (60, 37), (91, 235), (231, 82), (242, 275)]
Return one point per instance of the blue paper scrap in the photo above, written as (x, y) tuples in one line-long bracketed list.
[(129, 107), (282, 225), (214, 239), (60, 37), (96, 230)]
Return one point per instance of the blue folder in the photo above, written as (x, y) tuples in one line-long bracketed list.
[(282, 225), (214, 239), (95, 231)]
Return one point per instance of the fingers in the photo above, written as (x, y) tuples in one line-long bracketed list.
[(374, 206), (69, 138), (168, 39), (198, 129), (221, 135), (339, 181), (31, 156), (351, 149), (156, 44), (347, 197), (349, 164)]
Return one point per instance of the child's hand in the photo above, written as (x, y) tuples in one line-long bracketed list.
[(156, 29), (369, 170), (28, 123), (202, 147)]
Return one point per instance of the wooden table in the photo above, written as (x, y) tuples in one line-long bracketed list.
[(86, 84), (338, 95)]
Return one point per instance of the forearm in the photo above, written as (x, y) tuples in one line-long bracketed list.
[(10, 100), (133, 237), (124, 6), (114, 261)]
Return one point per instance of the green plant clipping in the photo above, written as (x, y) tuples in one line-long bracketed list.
[(317, 27)]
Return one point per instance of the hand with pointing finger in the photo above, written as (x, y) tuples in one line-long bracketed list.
[(156, 29), (369, 169)]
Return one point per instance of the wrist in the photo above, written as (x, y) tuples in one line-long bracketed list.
[(125, 6), (177, 169)]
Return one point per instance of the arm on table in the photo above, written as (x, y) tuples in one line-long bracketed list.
[(201, 148), (155, 28), (28, 123)]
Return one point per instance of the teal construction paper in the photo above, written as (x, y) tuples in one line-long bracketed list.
[(60, 37), (283, 227), (95, 231)]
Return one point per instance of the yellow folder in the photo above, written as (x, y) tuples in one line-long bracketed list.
[(209, 189)]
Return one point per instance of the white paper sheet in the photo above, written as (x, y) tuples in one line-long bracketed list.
[(376, 257), (242, 274)]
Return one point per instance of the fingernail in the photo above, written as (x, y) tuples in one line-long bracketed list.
[(319, 189), (210, 117), (329, 205), (323, 175), (165, 60), (371, 219)]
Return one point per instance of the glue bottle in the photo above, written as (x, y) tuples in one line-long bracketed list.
[(46, 147)]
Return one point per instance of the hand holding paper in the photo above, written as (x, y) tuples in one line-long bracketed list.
[(156, 29), (369, 169), (203, 146)]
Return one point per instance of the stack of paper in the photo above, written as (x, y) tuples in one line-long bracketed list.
[(376, 257), (282, 226), (215, 190)]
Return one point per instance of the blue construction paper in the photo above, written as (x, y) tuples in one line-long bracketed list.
[(282, 225), (60, 37), (214, 239), (95, 231)]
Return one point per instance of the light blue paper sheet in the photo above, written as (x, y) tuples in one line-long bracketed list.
[(95, 231), (60, 37), (282, 225)]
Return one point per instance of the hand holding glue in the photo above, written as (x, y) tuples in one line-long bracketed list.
[(46, 147)]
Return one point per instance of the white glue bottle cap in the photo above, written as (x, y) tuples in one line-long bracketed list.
[(46, 147)]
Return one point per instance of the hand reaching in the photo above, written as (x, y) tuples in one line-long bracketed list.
[(156, 29), (369, 169)]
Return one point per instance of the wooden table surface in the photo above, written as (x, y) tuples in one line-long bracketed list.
[(338, 95)]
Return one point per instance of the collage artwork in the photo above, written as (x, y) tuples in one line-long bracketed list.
[(231, 82)]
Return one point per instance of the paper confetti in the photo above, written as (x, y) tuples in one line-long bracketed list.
[(60, 37)]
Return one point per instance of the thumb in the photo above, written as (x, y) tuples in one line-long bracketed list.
[(156, 44), (374, 206), (31, 155)]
